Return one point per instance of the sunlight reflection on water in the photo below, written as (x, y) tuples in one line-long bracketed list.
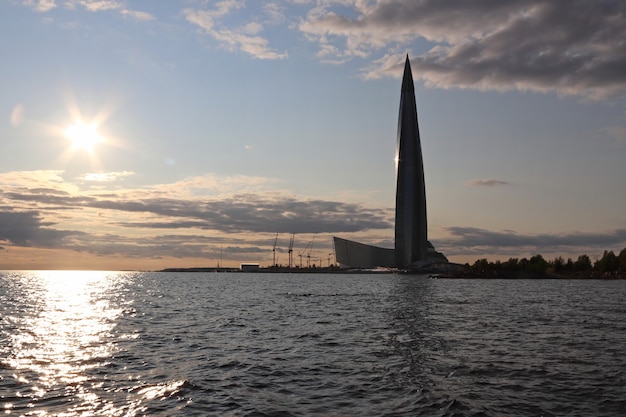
[(67, 334)]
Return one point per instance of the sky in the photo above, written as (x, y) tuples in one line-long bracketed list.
[(187, 133)]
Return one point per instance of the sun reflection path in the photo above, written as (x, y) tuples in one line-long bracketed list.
[(70, 335)]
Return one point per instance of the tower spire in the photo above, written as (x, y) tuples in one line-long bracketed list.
[(407, 78)]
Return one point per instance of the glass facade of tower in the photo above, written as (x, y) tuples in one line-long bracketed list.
[(412, 247)]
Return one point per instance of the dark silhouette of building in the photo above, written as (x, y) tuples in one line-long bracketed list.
[(412, 248)]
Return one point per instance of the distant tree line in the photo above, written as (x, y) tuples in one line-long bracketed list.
[(610, 265)]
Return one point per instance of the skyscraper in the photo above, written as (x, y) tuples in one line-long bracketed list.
[(412, 248), (411, 227)]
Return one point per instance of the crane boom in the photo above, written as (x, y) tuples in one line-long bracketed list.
[(290, 250), (274, 250), (308, 255)]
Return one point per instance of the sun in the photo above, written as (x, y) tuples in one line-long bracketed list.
[(83, 136)]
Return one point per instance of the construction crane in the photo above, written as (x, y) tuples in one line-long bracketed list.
[(220, 259), (274, 250), (290, 250), (308, 245), (308, 255)]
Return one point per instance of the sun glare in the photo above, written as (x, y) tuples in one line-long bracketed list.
[(83, 136)]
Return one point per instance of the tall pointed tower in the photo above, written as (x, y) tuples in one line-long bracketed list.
[(411, 227), (412, 249)]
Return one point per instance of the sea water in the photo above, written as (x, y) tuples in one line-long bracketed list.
[(229, 344)]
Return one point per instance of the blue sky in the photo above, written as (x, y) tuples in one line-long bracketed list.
[(222, 123)]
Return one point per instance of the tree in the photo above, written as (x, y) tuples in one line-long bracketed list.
[(537, 264), (558, 264), (622, 260), (511, 264), (582, 264), (481, 265), (523, 263), (497, 266), (608, 263)]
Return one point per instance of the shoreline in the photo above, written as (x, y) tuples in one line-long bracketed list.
[(591, 275), (464, 274)]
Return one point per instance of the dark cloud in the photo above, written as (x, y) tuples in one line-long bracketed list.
[(289, 215), (487, 182), (241, 213), (48, 191), (469, 241), (249, 213), (27, 229), (153, 248), (570, 46), (187, 224), (48, 198), (239, 216), (175, 246)]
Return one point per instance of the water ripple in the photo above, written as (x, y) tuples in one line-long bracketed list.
[(134, 344)]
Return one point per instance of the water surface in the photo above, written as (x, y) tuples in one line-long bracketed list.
[(228, 344)]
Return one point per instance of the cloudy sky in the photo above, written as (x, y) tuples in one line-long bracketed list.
[(152, 134)]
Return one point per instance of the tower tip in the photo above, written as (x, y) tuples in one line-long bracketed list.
[(407, 78)]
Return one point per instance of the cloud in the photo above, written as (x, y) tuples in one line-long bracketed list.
[(275, 12), (571, 47), (473, 241), (42, 179), (106, 176), (160, 246), (40, 5), (99, 5), (215, 185), (193, 218), (487, 182), (49, 211), (245, 214), (245, 38), (17, 115), (137, 15), (254, 214), (109, 5), (27, 229)]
